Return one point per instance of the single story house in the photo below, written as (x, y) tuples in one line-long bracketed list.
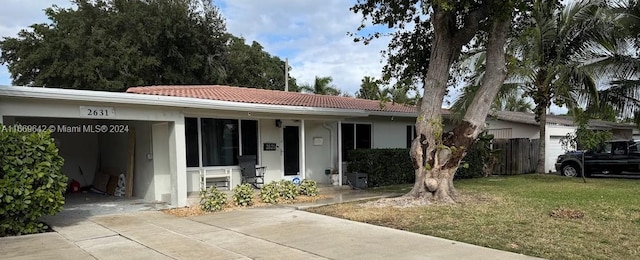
[(507, 124), (180, 133), (169, 137)]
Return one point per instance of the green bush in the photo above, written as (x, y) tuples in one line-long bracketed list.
[(287, 190), (212, 199), (243, 195), (308, 188), (31, 182), (383, 166), (478, 160), (270, 193), (393, 166)]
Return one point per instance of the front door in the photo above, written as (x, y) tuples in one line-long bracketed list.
[(291, 145)]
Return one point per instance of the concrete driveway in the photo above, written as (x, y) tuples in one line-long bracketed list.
[(261, 233)]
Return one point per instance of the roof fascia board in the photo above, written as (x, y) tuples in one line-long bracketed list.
[(168, 101), (398, 114)]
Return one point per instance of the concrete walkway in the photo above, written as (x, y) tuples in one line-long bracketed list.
[(261, 233)]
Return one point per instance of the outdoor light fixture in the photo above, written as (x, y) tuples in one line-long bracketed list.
[(278, 123)]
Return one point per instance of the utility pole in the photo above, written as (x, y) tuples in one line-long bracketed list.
[(286, 74)]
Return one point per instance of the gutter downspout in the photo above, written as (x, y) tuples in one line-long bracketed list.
[(331, 161)]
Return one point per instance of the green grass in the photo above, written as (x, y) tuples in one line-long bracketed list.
[(514, 214)]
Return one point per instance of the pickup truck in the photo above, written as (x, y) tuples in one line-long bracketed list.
[(613, 157)]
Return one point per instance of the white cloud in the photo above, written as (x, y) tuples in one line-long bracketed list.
[(312, 34)]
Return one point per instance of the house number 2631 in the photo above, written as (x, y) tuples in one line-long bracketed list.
[(97, 112)]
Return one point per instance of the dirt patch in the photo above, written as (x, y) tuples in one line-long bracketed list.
[(408, 202), (185, 211), (566, 213), (195, 210), (398, 202)]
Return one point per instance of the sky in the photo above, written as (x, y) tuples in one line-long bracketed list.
[(311, 34)]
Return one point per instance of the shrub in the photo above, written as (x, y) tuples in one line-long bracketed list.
[(393, 166), (383, 166), (479, 159), (31, 181), (287, 190), (270, 193), (243, 195), (308, 188), (212, 199)]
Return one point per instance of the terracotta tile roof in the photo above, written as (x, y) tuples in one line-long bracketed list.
[(270, 97)]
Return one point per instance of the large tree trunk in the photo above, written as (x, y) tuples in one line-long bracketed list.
[(436, 155)]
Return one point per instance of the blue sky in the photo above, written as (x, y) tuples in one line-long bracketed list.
[(311, 34)]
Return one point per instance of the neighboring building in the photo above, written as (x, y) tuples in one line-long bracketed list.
[(507, 124)]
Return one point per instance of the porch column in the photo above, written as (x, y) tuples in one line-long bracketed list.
[(339, 152), (178, 163), (303, 163)]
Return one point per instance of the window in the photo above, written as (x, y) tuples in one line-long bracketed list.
[(249, 135), (355, 136), (411, 134), (219, 141), (191, 130), (363, 136)]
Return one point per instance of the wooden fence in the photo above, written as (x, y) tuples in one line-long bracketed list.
[(515, 156)]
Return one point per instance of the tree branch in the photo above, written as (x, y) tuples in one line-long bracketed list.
[(496, 73), (471, 26)]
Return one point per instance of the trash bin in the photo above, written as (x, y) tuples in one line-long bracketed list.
[(357, 180)]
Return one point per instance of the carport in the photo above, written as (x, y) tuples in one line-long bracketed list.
[(106, 134)]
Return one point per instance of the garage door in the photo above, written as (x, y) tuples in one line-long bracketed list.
[(554, 149)]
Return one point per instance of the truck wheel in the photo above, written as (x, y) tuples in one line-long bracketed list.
[(570, 170)]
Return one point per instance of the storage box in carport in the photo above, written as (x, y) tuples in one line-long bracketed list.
[(357, 180)]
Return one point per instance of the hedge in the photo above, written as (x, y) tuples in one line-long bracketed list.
[(31, 181), (383, 166), (393, 166)]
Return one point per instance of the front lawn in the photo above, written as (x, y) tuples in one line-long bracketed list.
[(539, 215)]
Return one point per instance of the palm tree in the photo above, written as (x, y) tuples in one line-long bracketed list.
[(623, 92), (400, 95), (321, 86), (514, 101), (370, 89), (559, 57)]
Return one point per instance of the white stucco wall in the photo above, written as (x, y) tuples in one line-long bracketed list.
[(518, 130), (319, 156), (144, 170), (160, 184), (114, 153), (390, 133), (386, 131)]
